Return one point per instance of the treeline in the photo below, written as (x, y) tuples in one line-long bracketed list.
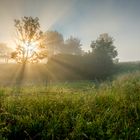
[(66, 59), (99, 63), (55, 44)]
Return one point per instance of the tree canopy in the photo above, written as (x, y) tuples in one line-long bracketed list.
[(73, 46), (103, 54), (29, 40), (104, 46)]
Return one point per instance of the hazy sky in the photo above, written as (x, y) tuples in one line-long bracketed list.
[(85, 19)]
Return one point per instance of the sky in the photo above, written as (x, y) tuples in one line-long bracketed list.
[(84, 19)]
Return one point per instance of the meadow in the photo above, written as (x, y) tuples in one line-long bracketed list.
[(72, 110)]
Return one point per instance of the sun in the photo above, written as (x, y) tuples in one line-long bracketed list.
[(30, 48)]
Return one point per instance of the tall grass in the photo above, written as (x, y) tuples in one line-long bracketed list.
[(72, 110)]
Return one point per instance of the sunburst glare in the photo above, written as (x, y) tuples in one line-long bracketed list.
[(30, 48)]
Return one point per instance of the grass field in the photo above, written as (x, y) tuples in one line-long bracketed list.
[(72, 110)]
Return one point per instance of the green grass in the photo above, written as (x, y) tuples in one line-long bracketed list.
[(72, 110)]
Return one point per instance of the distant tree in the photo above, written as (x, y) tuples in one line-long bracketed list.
[(54, 42), (5, 52), (103, 54), (29, 40), (73, 46), (104, 46)]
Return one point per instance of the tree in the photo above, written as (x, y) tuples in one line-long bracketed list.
[(29, 40), (73, 46), (54, 42), (104, 45), (5, 52), (103, 54)]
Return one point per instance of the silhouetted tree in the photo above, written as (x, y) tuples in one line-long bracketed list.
[(103, 54), (73, 46), (104, 45), (29, 40)]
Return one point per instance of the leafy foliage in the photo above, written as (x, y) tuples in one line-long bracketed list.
[(56, 44), (73, 46), (103, 46), (29, 40)]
